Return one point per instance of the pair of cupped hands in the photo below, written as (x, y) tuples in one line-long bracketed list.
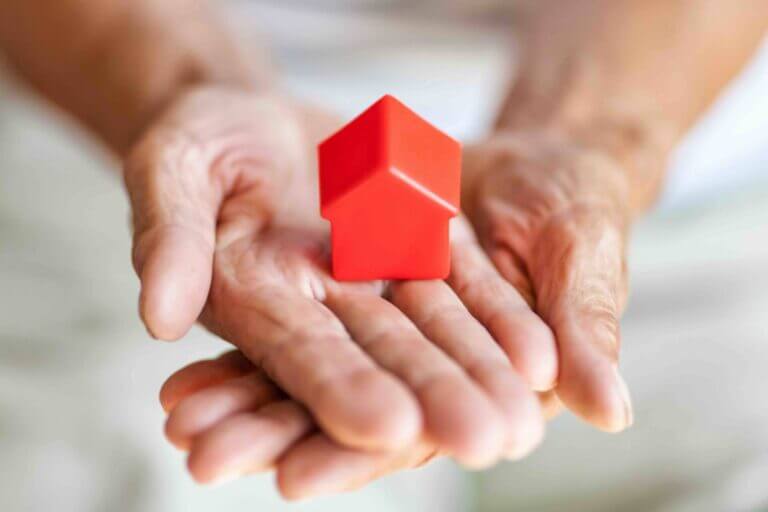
[(335, 384)]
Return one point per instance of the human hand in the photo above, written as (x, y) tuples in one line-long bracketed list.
[(226, 229), (553, 216), (233, 421)]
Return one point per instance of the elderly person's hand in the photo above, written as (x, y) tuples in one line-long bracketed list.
[(234, 421), (553, 217), (226, 229)]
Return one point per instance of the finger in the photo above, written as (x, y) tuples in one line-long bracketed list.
[(199, 412), (443, 319), (551, 406), (318, 466), (209, 145), (174, 207), (525, 338), (247, 442), (305, 349), (577, 269), (201, 375), (458, 416)]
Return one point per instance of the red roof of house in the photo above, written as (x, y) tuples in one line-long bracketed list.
[(389, 137)]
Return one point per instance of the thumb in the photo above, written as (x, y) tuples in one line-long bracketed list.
[(578, 274), (174, 208), (211, 145)]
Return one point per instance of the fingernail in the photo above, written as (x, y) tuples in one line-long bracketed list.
[(142, 316), (150, 333), (624, 392), (224, 478)]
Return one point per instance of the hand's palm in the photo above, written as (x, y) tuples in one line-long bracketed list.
[(324, 341), (433, 359)]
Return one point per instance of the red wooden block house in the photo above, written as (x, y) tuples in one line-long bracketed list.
[(389, 184)]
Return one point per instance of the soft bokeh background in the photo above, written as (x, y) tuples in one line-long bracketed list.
[(80, 425)]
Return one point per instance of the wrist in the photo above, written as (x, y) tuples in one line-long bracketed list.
[(117, 65), (638, 140), (144, 77), (550, 169)]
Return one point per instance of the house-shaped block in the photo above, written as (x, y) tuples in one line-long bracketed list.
[(389, 184)]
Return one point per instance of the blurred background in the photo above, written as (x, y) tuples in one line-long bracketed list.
[(80, 424)]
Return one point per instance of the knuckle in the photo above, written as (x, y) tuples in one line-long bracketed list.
[(325, 386), (374, 339), (497, 319), (386, 331), (446, 314), (479, 367), (436, 378), (162, 149), (475, 279)]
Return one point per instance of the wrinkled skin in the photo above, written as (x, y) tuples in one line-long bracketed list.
[(531, 228), (226, 233), (553, 216), (224, 207), (226, 230), (233, 421)]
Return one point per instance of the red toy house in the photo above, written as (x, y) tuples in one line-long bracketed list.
[(389, 184)]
